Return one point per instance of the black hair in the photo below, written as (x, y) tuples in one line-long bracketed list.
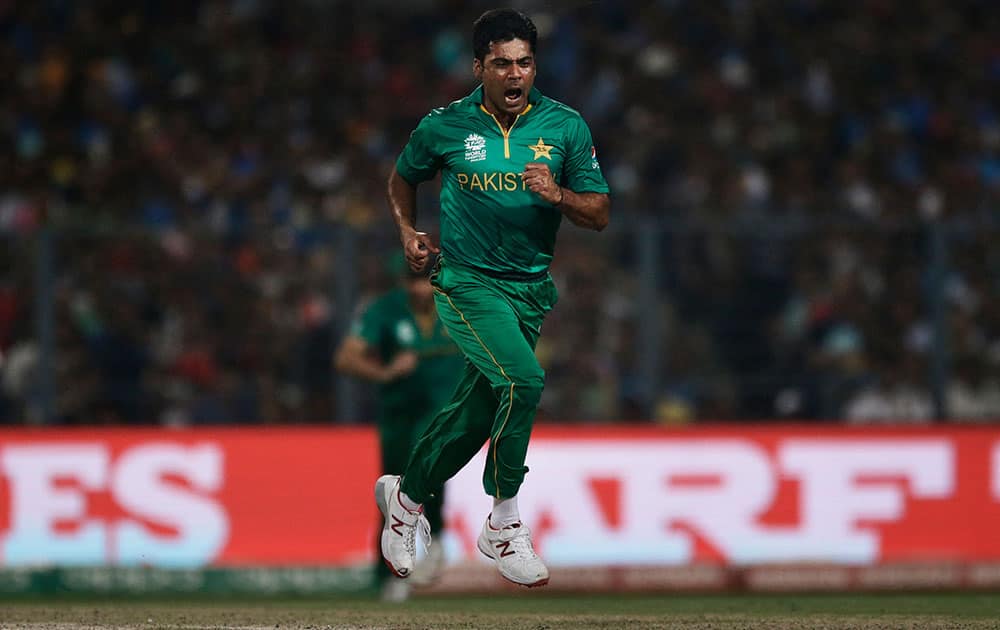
[(501, 25)]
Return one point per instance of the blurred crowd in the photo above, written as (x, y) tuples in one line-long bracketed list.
[(821, 181)]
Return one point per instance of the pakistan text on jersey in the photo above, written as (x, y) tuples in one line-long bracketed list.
[(497, 180)]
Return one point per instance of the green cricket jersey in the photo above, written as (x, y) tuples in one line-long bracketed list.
[(389, 326), (489, 218)]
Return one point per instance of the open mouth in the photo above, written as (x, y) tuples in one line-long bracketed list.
[(513, 96)]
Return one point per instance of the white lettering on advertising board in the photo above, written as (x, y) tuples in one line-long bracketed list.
[(50, 522), (641, 502)]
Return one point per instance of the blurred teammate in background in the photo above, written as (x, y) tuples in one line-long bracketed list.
[(399, 343), (512, 163)]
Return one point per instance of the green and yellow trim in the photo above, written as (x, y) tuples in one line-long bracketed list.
[(505, 132)]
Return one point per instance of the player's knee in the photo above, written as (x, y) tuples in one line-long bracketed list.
[(528, 395), (525, 392), (524, 385)]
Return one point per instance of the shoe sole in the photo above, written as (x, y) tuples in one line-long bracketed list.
[(383, 507), (541, 582)]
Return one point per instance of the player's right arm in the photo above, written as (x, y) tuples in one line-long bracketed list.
[(418, 162), (417, 246), (354, 357)]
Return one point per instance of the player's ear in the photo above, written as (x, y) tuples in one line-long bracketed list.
[(477, 68)]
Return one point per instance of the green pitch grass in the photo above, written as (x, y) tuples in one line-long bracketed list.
[(531, 610)]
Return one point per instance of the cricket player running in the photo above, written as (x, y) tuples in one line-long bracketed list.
[(513, 163)]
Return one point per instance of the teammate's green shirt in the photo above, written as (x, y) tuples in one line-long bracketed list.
[(389, 327), (489, 218)]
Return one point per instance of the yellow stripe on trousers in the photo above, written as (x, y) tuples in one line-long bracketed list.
[(510, 404)]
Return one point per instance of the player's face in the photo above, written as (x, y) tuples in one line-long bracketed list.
[(507, 73)]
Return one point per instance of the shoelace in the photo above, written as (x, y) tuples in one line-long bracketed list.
[(521, 541), (409, 540)]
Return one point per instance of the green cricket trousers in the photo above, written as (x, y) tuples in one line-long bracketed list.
[(495, 323)]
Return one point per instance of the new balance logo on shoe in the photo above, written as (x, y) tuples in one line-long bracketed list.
[(505, 547), (396, 527)]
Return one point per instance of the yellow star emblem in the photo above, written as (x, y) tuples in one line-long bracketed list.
[(541, 150)]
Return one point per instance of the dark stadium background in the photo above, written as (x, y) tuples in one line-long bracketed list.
[(805, 216), (804, 206)]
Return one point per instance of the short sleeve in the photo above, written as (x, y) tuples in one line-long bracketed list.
[(581, 169), (420, 160)]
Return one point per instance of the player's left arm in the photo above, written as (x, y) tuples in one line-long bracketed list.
[(587, 209), (583, 196)]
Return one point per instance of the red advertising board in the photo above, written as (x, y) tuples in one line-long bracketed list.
[(268, 496), (595, 495)]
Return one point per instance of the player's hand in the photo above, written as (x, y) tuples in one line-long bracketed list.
[(402, 364), (539, 179), (417, 247)]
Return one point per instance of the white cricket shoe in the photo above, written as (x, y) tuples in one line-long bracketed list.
[(399, 533), (514, 555), (429, 568)]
